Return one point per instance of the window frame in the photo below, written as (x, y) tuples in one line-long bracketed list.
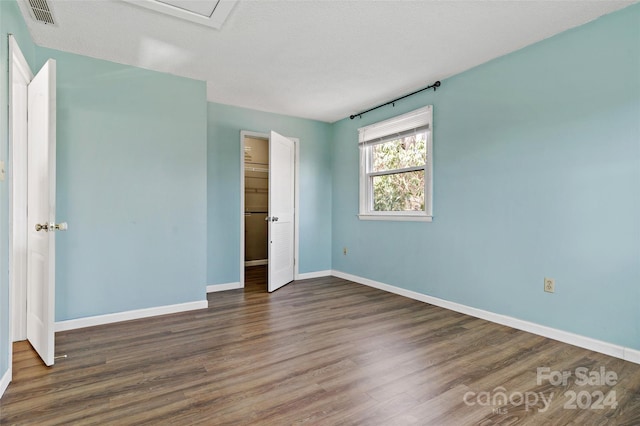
[(382, 132)]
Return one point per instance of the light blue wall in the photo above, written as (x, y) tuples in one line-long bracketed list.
[(131, 183), (537, 173), (225, 124), (11, 22)]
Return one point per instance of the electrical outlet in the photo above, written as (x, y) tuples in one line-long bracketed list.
[(344, 251), (549, 285)]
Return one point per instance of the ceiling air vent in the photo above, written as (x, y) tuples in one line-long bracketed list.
[(41, 11)]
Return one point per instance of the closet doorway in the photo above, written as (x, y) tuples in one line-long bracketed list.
[(256, 201), (269, 206)]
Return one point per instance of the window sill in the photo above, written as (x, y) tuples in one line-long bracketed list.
[(396, 217)]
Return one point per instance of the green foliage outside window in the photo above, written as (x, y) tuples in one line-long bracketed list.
[(399, 191)]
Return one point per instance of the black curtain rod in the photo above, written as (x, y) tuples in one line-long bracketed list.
[(434, 86)]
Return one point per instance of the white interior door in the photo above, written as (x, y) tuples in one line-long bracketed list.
[(281, 210), (41, 197)]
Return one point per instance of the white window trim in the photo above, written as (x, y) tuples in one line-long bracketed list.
[(384, 128)]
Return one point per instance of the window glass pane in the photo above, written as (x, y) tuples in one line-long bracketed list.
[(399, 192), (410, 151)]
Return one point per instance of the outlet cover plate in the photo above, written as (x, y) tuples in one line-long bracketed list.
[(549, 285)]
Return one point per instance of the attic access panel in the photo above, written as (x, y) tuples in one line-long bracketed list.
[(212, 13)]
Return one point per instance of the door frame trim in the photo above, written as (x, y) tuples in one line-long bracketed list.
[(17, 292), (20, 70), (296, 197)]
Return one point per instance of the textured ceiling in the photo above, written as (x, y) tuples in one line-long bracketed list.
[(316, 59)]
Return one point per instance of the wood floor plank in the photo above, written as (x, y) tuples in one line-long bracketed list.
[(323, 351)]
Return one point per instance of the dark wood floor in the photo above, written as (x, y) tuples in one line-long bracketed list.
[(322, 351)]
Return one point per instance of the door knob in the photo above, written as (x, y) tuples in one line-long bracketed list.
[(46, 227), (61, 226)]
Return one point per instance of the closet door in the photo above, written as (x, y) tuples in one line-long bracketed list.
[(281, 210)]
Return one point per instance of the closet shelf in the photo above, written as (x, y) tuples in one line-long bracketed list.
[(256, 169)]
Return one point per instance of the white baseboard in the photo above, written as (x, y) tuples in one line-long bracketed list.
[(632, 355), (617, 351), (316, 274), (129, 315), (256, 262), (6, 379), (222, 287)]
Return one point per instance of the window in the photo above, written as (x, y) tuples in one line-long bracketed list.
[(395, 168)]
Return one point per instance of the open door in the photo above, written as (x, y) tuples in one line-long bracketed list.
[(41, 199), (281, 210)]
